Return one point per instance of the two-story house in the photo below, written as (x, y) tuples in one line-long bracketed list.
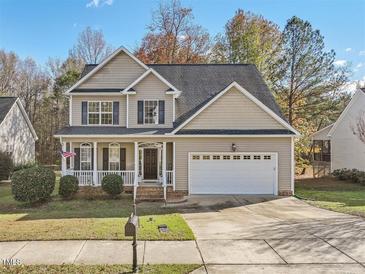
[(192, 129)]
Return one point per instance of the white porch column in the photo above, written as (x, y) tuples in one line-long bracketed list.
[(63, 160), (95, 166), (72, 159), (164, 168), (136, 165), (173, 165)]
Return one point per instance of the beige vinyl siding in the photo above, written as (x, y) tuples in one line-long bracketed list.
[(118, 73), (233, 111), (150, 88), (280, 145), (78, 99)]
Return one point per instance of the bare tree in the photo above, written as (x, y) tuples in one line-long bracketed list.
[(91, 47), (8, 72), (173, 37)]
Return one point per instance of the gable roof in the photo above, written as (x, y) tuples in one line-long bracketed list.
[(6, 103), (92, 69), (359, 92), (260, 104)]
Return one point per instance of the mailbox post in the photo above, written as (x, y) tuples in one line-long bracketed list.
[(130, 229)]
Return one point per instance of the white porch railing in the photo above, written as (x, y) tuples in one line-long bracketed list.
[(169, 177), (86, 177), (127, 175)]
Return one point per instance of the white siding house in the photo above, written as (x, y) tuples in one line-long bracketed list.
[(346, 150), (17, 136)]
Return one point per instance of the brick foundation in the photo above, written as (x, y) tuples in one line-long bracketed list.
[(286, 193)]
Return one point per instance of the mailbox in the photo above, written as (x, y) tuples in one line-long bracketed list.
[(130, 228)]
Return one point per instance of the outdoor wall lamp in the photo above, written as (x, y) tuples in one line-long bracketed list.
[(234, 147)]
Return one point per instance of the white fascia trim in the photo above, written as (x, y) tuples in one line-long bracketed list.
[(95, 93), (251, 97), (25, 115), (102, 64), (145, 74), (344, 112), (172, 136), (70, 111)]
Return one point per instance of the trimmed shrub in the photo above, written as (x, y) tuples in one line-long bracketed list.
[(24, 166), (69, 185), (112, 184), (33, 184), (353, 175), (6, 165)]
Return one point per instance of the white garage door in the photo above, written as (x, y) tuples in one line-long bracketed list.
[(232, 173)]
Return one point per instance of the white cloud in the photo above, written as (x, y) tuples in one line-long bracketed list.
[(99, 3), (340, 63), (359, 65), (362, 53), (348, 49)]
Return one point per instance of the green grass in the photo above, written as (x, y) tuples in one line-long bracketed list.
[(333, 194), (95, 269), (80, 218)]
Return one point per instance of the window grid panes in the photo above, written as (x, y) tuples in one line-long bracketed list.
[(151, 112), (267, 157), (85, 157), (196, 157), (206, 157), (236, 157), (256, 157), (100, 113), (226, 157), (114, 157), (216, 157), (246, 157)]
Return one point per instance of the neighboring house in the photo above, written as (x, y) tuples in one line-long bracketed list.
[(193, 129), (338, 146), (17, 135)]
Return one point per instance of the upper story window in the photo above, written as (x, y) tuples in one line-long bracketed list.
[(151, 112), (100, 113)]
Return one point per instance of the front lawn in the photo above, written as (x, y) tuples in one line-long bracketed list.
[(333, 194), (85, 219), (95, 269)]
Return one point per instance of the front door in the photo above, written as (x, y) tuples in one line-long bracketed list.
[(150, 163)]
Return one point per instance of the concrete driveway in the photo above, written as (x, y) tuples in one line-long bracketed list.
[(264, 234)]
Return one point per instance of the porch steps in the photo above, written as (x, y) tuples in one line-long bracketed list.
[(149, 193), (155, 193)]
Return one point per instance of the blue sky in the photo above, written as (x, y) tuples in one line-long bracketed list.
[(43, 28)]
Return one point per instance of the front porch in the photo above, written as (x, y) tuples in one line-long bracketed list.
[(140, 164)]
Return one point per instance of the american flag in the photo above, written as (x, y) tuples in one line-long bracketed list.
[(67, 154)]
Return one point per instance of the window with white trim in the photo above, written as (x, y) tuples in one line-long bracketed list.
[(256, 157), (100, 113), (114, 156), (267, 157), (151, 112), (196, 157), (246, 157), (85, 157), (216, 157), (236, 157)]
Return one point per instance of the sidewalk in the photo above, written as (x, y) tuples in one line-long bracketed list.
[(216, 256), (100, 252)]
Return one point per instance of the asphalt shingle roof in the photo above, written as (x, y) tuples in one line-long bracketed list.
[(199, 83), (5, 105)]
